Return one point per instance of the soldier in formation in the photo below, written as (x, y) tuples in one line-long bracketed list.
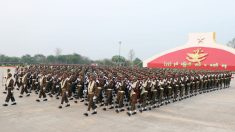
[(118, 89)]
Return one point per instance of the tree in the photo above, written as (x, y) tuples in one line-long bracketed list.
[(131, 56), (138, 62), (51, 59), (27, 59), (231, 43), (39, 58), (118, 59)]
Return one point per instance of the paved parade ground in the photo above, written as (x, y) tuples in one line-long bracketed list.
[(210, 112)]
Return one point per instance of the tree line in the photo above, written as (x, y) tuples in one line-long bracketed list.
[(68, 59)]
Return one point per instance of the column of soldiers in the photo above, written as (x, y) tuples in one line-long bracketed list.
[(112, 88)]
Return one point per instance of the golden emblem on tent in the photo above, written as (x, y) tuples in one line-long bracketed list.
[(197, 56)]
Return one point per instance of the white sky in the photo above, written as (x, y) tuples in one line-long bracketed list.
[(93, 28)]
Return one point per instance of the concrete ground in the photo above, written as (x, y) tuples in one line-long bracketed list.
[(210, 112)]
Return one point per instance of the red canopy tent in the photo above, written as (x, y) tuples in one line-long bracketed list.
[(201, 52)]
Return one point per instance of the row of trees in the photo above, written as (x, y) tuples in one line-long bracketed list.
[(42, 59), (71, 59)]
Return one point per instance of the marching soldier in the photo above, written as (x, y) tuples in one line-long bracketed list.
[(121, 86), (91, 96), (192, 86), (42, 85), (175, 88), (168, 89), (10, 88), (201, 84), (187, 88), (25, 85), (109, 94), (197, 83), (154, 88), (17, 78), (182, 88), (161, 92), (65, 85), (133, 98), (143, 95), (8, 71), (80, 88)]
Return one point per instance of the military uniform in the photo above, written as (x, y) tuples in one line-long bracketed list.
[(5, 86), (161, 92), (175, 88), (42, 83), (91, 97), (154, 88), (65, 85), (25, 85), (133, 98), (120, 95), (144, 95), (10, 88), (109, 95)]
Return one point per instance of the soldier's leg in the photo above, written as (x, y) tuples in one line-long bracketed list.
[(99, 97), (118, 100), (17, 84), (62, 100), (144, 99), (133, 108), (59, 93), (161, 97), (175, 93), (81, 95), (66, 100), (106, 100), (52, 92), (111, 100), (22, 91), (7, 99), (121, 102), (26, 89), (169, 94), (90, 101), (44, 95), (181, 93), (153, 100), (196, 89), (90, 105), (186, 91), (149, 97), (39, 96), (70, 93), (13, 99)]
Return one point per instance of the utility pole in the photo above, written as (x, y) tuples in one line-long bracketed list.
[(119, 54)]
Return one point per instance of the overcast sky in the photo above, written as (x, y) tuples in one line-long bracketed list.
[(93, 28)]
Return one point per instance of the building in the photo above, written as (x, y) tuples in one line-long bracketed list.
[(200, 52)]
